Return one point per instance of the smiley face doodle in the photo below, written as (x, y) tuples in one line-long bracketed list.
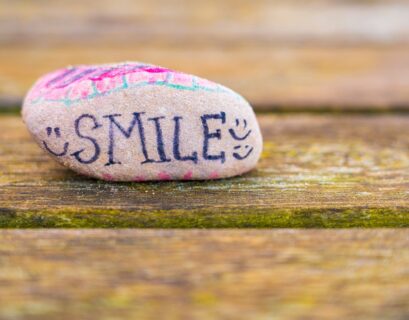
[(57, 133), (240, 133)]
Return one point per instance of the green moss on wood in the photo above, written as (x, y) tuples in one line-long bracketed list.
[(7, 110), (310, 164), (207, 218)]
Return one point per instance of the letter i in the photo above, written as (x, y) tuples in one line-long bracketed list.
[(159, 140)]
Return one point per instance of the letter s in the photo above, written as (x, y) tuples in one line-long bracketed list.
[(97, 151)]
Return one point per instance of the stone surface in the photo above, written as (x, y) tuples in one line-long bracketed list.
[(137, 122)]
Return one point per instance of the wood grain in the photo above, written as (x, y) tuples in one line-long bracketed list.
[(236, 274), (211, 21), (270, 77), (281, 55), (316, 171)]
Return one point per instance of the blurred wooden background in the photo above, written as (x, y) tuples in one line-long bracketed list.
[(290, 55), (325, 170)]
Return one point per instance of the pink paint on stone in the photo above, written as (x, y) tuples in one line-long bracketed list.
[(80, 91), (107, 177), (155, 70), (181, 79), (55, 94), (108, 84), (111, 73), (188, 175), (214, 175), (73, 84), (206, 83), (164, 176), (139, 179)]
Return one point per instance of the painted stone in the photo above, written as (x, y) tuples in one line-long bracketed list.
[(137, 122)]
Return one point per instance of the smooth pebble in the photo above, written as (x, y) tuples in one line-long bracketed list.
[(137, 122)]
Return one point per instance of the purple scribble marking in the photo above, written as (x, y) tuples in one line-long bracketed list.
[(60, 77), (117, 72), (79, 76), (101, 75), (87, 82)]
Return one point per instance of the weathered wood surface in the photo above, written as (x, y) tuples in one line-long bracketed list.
[(236, 274), (316, 171), (287, 55), (272, 78), (211, 21)]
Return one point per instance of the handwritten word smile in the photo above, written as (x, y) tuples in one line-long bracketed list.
[(138, 125)]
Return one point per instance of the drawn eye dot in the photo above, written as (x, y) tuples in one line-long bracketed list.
[(57, 132), (49, 130), (237, 147)]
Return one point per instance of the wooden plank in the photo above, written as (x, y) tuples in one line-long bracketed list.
[(236, 274), (316, 171), (281, 55), (272, 78), (211, 21)]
